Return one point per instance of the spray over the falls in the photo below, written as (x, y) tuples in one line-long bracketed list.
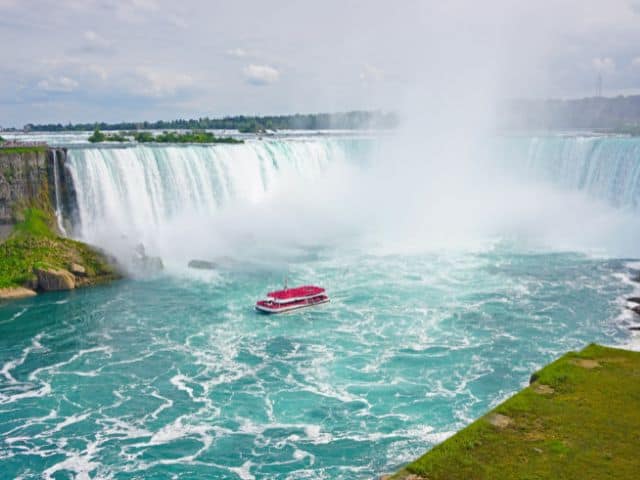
[(186, 202)]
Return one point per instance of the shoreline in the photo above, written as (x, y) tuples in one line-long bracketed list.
[(560, 425)]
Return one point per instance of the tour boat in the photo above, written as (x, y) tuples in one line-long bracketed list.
[(292, 298)]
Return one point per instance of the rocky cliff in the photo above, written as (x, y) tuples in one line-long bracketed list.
[(27, 177), (36, 194)]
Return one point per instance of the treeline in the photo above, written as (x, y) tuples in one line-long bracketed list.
[(247, 124), (616, 114), (195, 136)]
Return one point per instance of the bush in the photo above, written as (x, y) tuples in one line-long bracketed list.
[(97, 136)]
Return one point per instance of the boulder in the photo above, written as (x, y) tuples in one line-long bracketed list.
[(499, 420), (202, 265), (78, 270), (13, 293), (633, 299), (144, 264), (50, 279)]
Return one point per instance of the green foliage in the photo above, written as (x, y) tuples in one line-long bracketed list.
[(315, 121), (115, 137), (196, 136), (143, 137), (2, 140), (34, 243), (589, 424), (97, 136), (35, 222)]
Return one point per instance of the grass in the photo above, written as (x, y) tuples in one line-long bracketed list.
[(13, 150), (585, 426), (33, 243)]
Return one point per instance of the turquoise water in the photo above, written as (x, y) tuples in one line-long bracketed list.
[(177, 377)]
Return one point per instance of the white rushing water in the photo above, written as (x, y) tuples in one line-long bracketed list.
[(57, 194), (166, 194)]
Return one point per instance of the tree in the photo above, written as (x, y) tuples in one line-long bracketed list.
[(97, 136)]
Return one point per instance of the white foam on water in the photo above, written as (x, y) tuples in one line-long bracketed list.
[(80, 463), (301, 455), (107, 350), (10, 365), (244, 471), (167, 403), (70, 420)]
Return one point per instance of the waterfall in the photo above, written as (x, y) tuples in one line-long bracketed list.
[(134, 189), (161, 194), (606, 168), (57, 194)]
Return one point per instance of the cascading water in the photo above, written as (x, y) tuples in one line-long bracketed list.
[(135, 189), (606, 168), (147, 193), (57, 195)]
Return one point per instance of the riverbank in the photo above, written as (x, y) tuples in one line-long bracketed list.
[(35, 259), (578, 418)]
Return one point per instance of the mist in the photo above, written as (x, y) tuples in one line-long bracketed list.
[(434, 183)]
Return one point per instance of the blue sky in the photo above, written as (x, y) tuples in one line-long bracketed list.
[(89, 60)]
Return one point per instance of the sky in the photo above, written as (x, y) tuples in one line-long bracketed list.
[(132, 60)]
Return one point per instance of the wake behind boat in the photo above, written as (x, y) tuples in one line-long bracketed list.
[(289, 299)]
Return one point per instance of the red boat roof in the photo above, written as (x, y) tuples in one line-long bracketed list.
[(297, 292)]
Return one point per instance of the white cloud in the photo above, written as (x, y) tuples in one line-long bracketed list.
[(153, 83), (94, 42), (58, 84), (93, 38), (99, 71), (237, 53), (261, 74), (604, 64), (133, 11), (370, 74), (635, 62)]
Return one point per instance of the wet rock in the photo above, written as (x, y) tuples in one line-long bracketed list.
[(78, 270), (202, 265), (633, 299), (14, 293), (144, 264), (50, 279)]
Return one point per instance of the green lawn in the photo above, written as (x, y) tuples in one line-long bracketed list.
[(579, 419)]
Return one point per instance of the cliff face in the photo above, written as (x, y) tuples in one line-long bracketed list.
[(35, 253), (26, 176)]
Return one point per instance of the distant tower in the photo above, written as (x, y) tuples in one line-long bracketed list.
[(599, 85)]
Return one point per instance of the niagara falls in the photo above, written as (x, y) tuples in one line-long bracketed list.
[(344, 241)]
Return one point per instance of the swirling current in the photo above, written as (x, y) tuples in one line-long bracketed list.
[(174, 376)]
